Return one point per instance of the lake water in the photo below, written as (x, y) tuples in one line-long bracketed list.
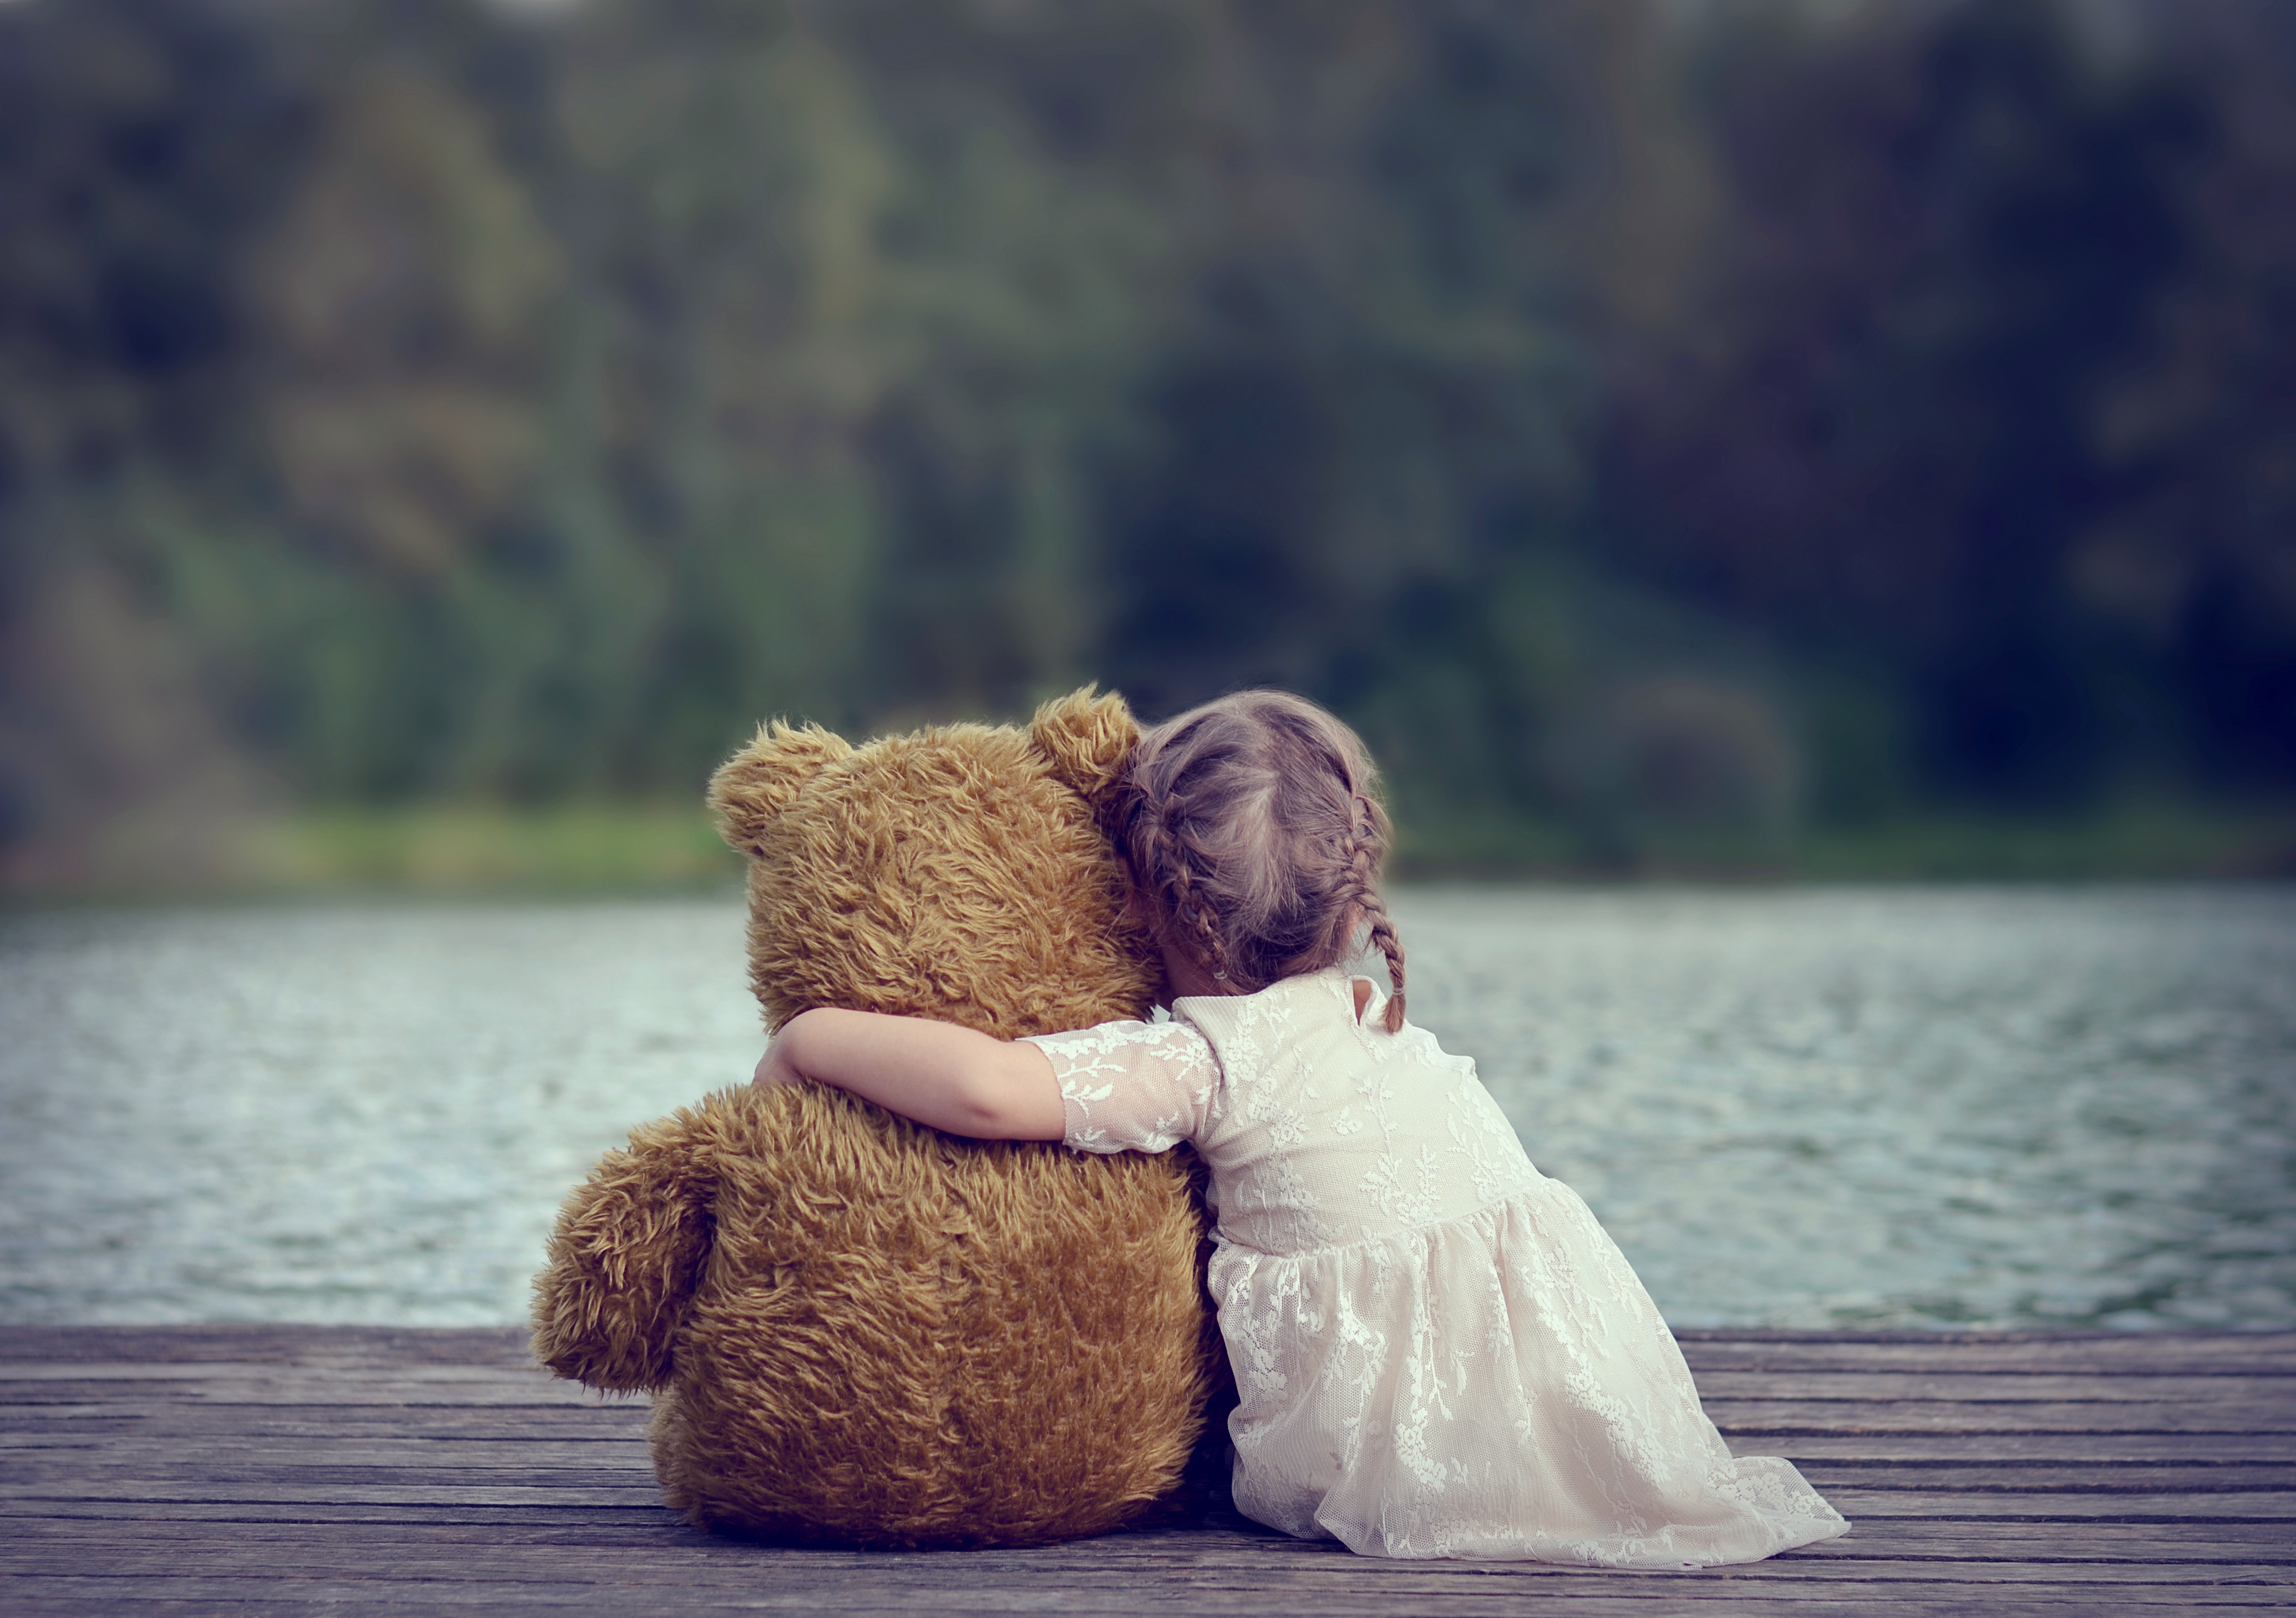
[(1828, 1107)]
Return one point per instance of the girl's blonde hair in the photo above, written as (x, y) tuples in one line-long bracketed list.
[(1250, 826)]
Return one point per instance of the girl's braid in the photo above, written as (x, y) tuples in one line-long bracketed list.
[(1365, 870), (1383, 933), (1187, 910)]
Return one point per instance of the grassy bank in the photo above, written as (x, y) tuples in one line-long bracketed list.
[(606, 845), (2135, 840), (577, 847), (623, 847)]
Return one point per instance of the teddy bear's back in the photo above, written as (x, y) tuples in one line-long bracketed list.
[(948, 873), (862, 1330), (874, 1355)]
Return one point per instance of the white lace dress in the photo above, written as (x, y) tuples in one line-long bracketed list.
[(1437, 1349)]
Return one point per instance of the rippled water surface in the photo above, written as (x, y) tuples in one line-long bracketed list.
[(1822, 1107)]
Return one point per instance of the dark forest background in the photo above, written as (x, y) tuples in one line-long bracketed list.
[(1722, 437)]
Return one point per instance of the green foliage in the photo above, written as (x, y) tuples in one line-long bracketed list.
[(1677, 438)]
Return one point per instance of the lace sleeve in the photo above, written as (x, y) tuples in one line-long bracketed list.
[(1132, 1087)]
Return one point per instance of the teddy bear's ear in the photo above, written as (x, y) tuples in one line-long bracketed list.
[(1087, 737), (752, 789)]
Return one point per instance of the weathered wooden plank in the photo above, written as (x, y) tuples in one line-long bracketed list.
[(2277, 1393), (178, 1477), (482, 1383), (2076, 1541), (253, 1383), (309, 1344), (422, 1432), (2203, 1340), (2164, 1353), (1787, 1415), (440, 1420), (1747, 1403), (242, 1370), (607, 1529), (791, 1571), (2102, 1449), (383, 1471), (310, 1395), (280, 1493), (397, 1452), (1475, 1605), (1318, 1589), (369, 1501), (2266, 1372), (1454, 1605), (1898, 1477), (552, 1565), (325, 1511), (653, 1568), (47, 1472), (1484, 1592), (181, 1404), (660, 1569), (424, 1510), (363, 1601), (1723, 1349), (593, 1532), (1859, 1503)]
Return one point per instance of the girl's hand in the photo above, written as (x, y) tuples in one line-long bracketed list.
[(774, 1067)]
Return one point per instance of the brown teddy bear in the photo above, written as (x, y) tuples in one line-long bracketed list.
[(858, 1329)]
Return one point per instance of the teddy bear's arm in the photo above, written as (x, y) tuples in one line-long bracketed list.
[(629, 1247)]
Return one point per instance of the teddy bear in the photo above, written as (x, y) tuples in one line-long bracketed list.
[(858, 1330)]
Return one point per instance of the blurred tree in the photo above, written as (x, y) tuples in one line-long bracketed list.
[(1951, 234), (724, 186), (1368, 399), (851, 325), (2197, 558), (141, 144), (403, 298), (1937, 416), (1646, 422)]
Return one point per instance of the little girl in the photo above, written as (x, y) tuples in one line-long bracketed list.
[(1436, 1350)]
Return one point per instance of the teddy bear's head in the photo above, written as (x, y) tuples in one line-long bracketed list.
[(858, 1329), (957, 872)]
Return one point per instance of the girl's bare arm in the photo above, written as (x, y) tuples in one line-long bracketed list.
[(938, 1073)]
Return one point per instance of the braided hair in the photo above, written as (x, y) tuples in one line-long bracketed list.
[(1250, 824)]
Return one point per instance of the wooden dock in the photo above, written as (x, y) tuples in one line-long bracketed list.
[(267, 1469)]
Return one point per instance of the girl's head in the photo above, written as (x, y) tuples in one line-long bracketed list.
[(1251, 829)]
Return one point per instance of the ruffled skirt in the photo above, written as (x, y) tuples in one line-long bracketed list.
[(1498, 1386)]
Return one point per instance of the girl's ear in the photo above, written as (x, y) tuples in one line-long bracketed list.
[(1087, 737), (629, 1245), (752, 789)]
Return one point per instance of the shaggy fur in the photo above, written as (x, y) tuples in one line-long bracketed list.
[(958, 873), (860, 1330)]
